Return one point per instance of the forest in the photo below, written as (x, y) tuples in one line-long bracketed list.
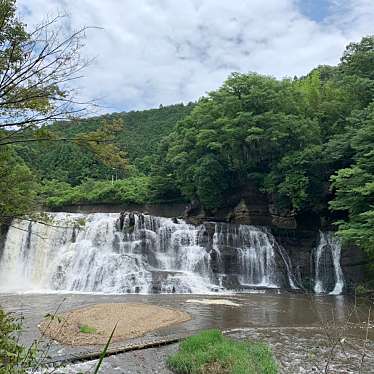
[(307, 142)]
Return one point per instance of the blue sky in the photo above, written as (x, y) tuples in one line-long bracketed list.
[(153, 52), (317, 10)]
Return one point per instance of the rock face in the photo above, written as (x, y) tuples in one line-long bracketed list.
[(354, 264), (247, 207), (162, 210), (301, 247), (3, 232), (298, 234)]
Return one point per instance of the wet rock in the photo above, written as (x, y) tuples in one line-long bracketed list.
[(284, 222), (241, 213)]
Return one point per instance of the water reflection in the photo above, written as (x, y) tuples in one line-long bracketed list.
[(254, 310)]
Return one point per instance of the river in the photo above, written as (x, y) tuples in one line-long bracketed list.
[(306, 332)]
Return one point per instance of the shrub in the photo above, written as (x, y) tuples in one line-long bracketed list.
[(14, 358)]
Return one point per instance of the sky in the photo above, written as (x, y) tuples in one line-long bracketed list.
[(152, 52)]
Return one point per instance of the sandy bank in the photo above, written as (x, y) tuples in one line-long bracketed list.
[(133, 319)]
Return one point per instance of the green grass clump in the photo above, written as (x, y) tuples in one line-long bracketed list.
[(87, 329), (211, 353)]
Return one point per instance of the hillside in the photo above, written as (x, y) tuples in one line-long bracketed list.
[(139, 137)]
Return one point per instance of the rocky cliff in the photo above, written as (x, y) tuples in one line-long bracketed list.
[(298, 234)]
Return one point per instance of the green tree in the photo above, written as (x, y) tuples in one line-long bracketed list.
[(211, 182), (253, 128), (358, 58), (354, 186), (357, 71), (18, 188), (33, 66)]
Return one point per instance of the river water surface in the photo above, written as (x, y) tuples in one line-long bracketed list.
[(307, 333)]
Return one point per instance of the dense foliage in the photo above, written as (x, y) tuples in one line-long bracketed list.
[(355, 185), (211, 352), (17, 185), (253, 128), (282, 135), (133, 190)]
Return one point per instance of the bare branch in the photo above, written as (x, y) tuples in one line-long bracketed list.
[(365, 342), (35, 84), (84, 140)]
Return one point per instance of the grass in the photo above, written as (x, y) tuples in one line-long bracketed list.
[(212, 353), (87, 329), (105, 350)]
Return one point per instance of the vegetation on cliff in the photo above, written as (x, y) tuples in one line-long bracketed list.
[(132, 190), (288, 136)]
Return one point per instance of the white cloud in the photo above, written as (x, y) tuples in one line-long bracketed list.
[(153, 52)]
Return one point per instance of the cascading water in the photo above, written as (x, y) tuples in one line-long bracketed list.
[(287, 262), (327, 256), (256, 257), (115, 253)]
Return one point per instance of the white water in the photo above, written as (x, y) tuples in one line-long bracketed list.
[(329, 245), (103, 252), (287, 262), (256, 256)]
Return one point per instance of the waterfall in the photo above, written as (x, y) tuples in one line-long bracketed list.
[(136, 253), (288, 264), (327, 258), (255, 253)]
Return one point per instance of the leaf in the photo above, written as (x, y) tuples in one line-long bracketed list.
[(103, 353)]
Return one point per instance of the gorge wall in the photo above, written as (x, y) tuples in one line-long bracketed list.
[(298, 234)]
